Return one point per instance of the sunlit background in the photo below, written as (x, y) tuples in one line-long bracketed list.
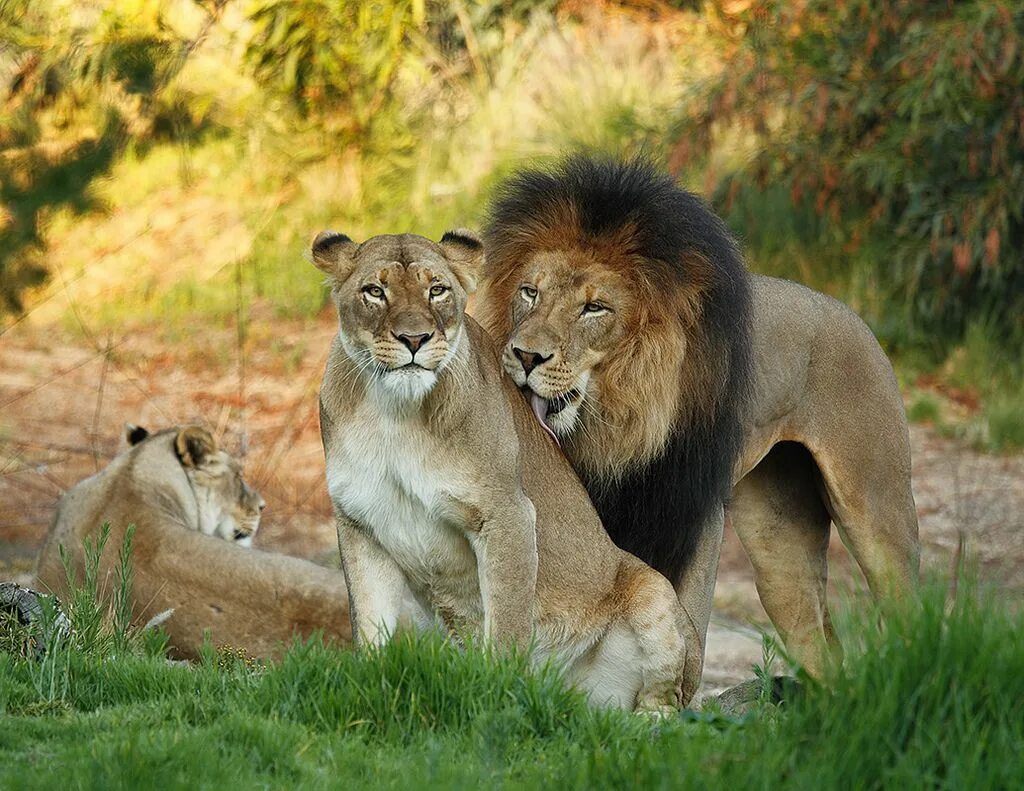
[(164, 163)]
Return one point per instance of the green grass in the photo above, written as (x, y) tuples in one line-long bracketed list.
[(928, 698), (1005, 418)]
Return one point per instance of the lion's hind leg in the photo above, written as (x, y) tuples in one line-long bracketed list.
[(778, 514), (872, 505), (638, 662)]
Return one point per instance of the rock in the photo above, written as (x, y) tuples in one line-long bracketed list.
[(27, 607), (740, 699)]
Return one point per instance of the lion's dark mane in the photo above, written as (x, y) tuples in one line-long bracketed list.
[(657, 510)]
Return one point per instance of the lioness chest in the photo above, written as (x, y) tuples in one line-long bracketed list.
[(383, 473)]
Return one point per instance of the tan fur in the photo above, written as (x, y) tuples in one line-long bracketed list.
[(820, 380), (822, 383), (246, 598), (450, 491)]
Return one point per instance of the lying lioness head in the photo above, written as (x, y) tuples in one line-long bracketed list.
[(402, 324), (228, 507)]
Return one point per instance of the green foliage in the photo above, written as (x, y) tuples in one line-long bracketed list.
[(894, 132), (329, 55), (924, 408), (100, 619)]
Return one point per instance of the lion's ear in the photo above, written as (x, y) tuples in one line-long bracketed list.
[(465, 252), (134, 434), (194, 446), (333, 253)]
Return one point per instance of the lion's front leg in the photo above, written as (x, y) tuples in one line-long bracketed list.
[(376, 584), (696, 592), (506, 552)]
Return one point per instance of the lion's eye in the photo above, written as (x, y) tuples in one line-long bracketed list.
[(374, 291), (439, 290), (594, 307), (529, 293)]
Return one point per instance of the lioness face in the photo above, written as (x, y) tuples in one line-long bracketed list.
[(401, 302), (568, 313), (228, 507)]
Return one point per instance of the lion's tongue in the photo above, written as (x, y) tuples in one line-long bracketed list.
[(540, 409)]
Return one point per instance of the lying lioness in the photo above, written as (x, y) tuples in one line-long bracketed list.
[(185, 496), (446, 487)]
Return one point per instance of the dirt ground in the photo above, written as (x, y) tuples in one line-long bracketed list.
[(65, 397)]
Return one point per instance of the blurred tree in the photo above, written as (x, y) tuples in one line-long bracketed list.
[(78, 83), (900, 125), (339, 61), (332, 58)]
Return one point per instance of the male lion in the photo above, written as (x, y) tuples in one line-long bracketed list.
[(627, 317), (444, 487), (185, 496)]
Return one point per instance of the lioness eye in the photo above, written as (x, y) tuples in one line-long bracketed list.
[(529, 293), (438, 290), (594, 307), (374, 291)]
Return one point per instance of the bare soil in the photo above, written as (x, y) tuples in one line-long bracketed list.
[(66, 395)]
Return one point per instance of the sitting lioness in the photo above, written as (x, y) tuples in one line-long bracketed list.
[(445, 486), (185, 496)]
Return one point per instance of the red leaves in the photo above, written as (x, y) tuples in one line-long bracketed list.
[(821, 108), (962, 258), (992, 246)]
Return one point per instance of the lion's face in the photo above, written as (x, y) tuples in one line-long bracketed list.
[(401, 302), (568, 314), (228, 507)]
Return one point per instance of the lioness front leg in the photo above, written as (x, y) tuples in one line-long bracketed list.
[(506, 552), (376, 584), (657, 622)]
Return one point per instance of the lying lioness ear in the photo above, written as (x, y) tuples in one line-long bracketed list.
[(465, 252), (134, 434), (194, 445), (333, 253)]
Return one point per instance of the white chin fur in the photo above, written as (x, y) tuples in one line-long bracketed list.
[(410, 385), (407, 384), (225, 528), (564, 422)]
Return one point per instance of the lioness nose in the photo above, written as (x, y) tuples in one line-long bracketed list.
[(414, 342), (530, 360)]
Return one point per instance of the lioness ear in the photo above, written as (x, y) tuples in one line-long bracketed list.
[(333, 253), (465, 252), (134, 434), (194, 445)]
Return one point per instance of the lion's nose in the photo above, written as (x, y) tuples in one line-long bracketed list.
[(530, 360), (414, 342)]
